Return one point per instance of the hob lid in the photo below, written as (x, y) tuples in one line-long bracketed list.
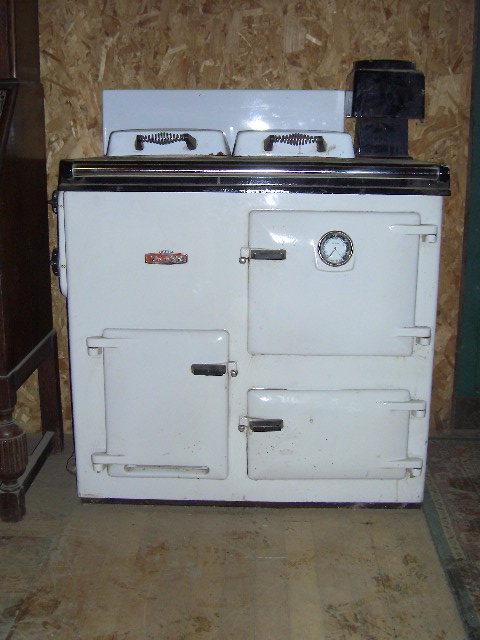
[(167, 142), (296, 143), (208, 142)]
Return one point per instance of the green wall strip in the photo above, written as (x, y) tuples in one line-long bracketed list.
[(467, 374)]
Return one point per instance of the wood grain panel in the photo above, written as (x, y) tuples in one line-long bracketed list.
[(90, 45)]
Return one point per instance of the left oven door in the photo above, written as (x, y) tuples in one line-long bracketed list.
[(166, 402)]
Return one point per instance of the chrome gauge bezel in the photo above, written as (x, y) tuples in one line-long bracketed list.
[(348, 245)]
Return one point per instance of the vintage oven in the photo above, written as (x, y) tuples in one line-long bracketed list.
[(251, 299)]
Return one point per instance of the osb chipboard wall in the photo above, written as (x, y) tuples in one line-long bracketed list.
[(90, 45)]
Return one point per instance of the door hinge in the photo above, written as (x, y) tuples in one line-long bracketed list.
[(422, 335), (101, 460), (412, 466), (428, 232), (54, 202), (96, 344), (418, 408)]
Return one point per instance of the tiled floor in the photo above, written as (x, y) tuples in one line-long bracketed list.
[(131, 572)]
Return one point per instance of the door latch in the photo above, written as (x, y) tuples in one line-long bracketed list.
[(208, 369), (261, 254), (260, 425)]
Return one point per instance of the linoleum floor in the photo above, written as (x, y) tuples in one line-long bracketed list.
[(133, 572)]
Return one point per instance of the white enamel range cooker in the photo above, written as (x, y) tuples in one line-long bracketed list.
[(251, 308)]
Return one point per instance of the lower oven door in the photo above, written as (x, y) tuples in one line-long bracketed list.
[(331, 434), (166, 402)]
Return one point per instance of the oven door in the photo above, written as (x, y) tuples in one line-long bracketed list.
[(331, 434), (166, 402), (334, 283)]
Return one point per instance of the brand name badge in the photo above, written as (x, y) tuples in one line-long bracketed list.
[(166, 257)]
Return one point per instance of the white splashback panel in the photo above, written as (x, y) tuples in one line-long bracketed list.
[(227, 110)]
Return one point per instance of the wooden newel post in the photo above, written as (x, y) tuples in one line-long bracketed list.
[(27, 339), (13, 462)]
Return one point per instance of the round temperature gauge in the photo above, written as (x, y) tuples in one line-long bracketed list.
[(335, 248)]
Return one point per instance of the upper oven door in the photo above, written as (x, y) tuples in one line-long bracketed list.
[(334, 283)]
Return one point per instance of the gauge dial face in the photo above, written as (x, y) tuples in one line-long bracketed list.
[(335, 248)]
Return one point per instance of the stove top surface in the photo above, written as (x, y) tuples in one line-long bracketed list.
[(239, 141)]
